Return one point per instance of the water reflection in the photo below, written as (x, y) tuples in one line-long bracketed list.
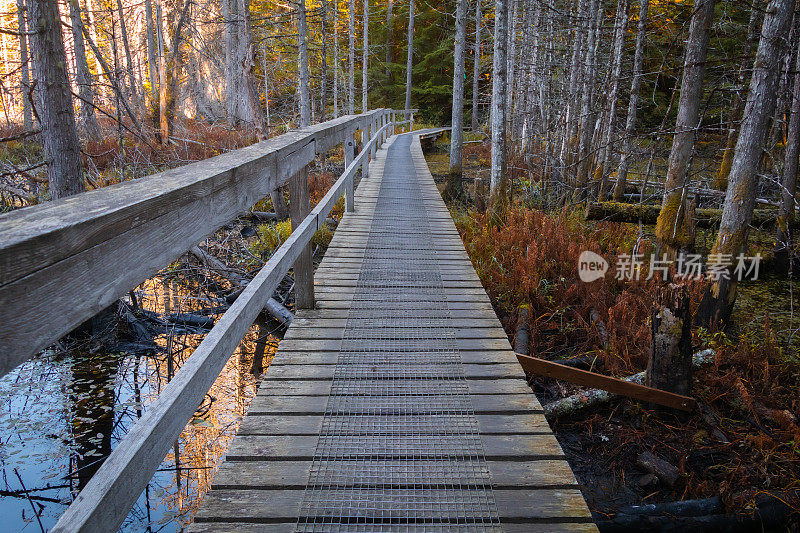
[(61, 414)]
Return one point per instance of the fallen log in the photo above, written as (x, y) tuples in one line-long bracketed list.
[(549, 369), (273, 307), (648, 214), (593, 397), (191, 319)]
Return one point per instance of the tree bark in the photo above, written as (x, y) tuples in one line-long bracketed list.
[(721, 180), (365, 59), (335, 59), (240, 90), (59, 133), (476, 65), (670, 365), (323, 83), (499, 178), (789, 178), (587, 118), (743, 179), (127, 48), (152, 64), (25, 78), (409, 57), (389, 35), (351, 58), (88, 118), (453, 189), (607, 148), (302, 38), (633, 101), (575, 73), (672, 229)]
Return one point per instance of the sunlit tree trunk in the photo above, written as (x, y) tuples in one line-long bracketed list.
[(743, 179), (453, 189), (351, 58), (323, 84), (673, 226), (152, 64), (633, 101), (335, 59), (499, 178), (24, 76), (365, 59), (88, 118), (59, 133), (410, 56), (476, 65), (302, 36)]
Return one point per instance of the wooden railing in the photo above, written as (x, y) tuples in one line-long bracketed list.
[(62, 262)]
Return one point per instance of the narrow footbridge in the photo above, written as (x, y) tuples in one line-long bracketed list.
[(394, 403)]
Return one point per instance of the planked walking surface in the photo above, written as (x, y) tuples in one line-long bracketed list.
[(397, 404)]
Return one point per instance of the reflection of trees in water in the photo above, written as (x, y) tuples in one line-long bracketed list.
[(91, 401)]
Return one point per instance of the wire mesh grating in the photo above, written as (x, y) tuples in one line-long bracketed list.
[(399, 449)]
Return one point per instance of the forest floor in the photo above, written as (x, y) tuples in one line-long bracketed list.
[(736, 459)]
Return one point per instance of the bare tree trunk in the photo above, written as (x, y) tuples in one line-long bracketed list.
[(365, 59), (587, 118), (721, 180), (410, 56), (633, 102), (302, 38), (789, 177), (59, 134), (607, 147), (163, 84), (389, 35), (335, 59), (240, 91), (453, 189), (172, 69), (88, 118), (575, 73), (323, 85), (351, 58), (476, 64), (673, 226), (152, 64), (25, 78), (743, 179), (127, 47), (499, 178)]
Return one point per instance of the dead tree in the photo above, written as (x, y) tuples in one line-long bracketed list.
[(59, 133), (409, 56), (743, 179), (499, 178), (672, 229), (453, 189), (302, 59)]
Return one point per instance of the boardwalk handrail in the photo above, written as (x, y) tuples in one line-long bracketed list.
[(105, 501), (64, 261)]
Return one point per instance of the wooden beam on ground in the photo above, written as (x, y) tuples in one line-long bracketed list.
[(540, 367)]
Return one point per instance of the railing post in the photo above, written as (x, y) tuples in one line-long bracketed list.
[(349, 192), (372, 150), (411, 124), (394, 119), (299, 208), (364, 141)]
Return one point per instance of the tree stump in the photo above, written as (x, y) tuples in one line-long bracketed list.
[(670, 365)]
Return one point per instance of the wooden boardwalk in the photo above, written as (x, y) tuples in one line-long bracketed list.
[(397, 404)]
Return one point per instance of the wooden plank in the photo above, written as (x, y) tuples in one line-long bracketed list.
[(552, 370)]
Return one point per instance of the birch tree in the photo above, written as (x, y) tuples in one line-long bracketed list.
[(673, 226), (302, 42), (453, 188), (476, 65), (351, 57), (633, 101), (59, 133), (365, 59), (743, 179), (409, 56), (498, 183)]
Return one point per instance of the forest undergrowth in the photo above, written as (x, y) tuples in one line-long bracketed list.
[(742, 445)]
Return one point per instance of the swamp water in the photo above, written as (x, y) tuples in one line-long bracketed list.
[(61, 414)]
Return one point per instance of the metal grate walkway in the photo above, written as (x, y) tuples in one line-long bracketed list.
[(397, 405)]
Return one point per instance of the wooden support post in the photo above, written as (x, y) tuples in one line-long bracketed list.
[(299, 208), (374, 129), (411, 124), (349, 194), (364, 160)]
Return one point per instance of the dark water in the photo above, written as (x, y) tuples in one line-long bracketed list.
[(61, 414)]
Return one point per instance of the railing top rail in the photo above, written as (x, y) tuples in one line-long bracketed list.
[(63, 261)]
